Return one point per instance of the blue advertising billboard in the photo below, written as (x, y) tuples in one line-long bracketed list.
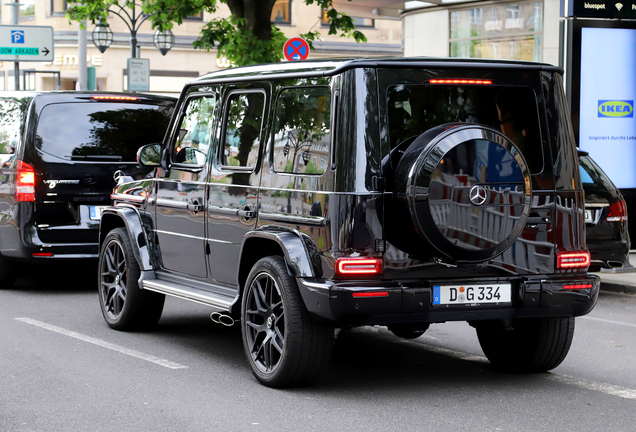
[(606, 124)]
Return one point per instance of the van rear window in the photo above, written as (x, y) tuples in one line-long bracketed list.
[(108, 132), (414, 109)]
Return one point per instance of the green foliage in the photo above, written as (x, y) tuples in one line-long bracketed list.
[(245, 39)]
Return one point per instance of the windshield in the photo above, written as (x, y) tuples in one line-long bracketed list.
[(100, 131)]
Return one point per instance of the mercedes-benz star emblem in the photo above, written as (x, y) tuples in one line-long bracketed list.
[(478, 195)]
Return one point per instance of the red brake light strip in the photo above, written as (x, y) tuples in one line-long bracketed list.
[(460, 81), (578, 286), (119, 98)]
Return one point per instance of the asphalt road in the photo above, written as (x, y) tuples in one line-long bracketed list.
[(63, 369)]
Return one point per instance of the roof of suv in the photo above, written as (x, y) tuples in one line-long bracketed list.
[(65, 96), (313, 68)]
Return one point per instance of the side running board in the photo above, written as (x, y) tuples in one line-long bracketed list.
[(188, 293)]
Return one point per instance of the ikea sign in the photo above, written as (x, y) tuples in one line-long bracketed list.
[(616, 108)]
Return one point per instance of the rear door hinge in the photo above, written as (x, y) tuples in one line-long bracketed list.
[(207, 249)]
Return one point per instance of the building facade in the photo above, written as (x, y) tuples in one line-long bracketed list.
[(510, 30), (169, 73)]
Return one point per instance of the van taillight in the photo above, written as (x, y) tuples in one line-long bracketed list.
[(25, 182), (617, 212), (573, 260), (358, 266)]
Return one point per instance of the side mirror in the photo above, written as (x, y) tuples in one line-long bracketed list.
[(149, 155)]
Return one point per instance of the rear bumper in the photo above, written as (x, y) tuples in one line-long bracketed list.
[(412, 302), (608, 252)]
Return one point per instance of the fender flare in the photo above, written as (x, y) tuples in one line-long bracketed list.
[(294, 249), (132, 221)]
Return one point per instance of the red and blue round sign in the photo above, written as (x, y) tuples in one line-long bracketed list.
[(296, 49)]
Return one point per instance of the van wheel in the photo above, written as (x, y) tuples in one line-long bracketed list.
[(284, 344), (7, 275), (526, 345), (124, 305)]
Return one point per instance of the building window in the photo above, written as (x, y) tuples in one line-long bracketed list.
[(58, 7), (511, 32), (281, 12), (359, 22), (196, 17)]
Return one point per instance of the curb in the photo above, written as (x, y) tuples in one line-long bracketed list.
[(618, 287)]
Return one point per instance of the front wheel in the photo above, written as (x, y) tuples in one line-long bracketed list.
[(124, 305), (526, 345), (284, 344)]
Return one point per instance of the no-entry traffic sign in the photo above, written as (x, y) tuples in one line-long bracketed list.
[(26, 43), (296, 49)]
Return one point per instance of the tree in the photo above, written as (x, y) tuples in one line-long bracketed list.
[(246, 37)]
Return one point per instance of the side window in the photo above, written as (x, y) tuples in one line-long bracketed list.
[(195, 131), (301, 130), (241, 138)]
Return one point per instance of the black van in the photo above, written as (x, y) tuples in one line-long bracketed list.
[(296, 198), (58, 153)]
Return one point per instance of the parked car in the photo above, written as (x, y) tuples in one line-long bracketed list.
[(605, 217), (58, 153), (299, 197)]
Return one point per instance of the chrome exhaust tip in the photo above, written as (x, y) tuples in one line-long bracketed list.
[(219, 318)]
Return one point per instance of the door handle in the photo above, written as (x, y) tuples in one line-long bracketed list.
[(195, 207), (246, 212)]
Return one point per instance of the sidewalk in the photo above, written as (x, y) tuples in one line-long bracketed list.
[(620, 282)]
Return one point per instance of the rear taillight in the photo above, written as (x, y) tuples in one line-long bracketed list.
[(25, 182), (573, 260), (358, 266), (460, 81), (583, 285), (617, 212)]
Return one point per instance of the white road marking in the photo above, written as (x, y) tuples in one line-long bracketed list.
[(622, 392), (608, 321), (610, 389), (103, 344)]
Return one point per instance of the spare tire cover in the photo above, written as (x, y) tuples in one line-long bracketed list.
[(467, 188)]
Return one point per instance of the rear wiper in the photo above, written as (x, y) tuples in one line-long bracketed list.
[(105, 157)]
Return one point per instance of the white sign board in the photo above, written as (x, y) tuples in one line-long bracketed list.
[(26, 43), (138, 74)]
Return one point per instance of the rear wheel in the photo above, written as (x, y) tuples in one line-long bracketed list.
[(284, 344), (526, 345), (124, 305)]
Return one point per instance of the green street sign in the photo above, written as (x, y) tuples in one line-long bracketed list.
[(19, 51)]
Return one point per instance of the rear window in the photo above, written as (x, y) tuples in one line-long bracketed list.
[(108, 132), (592, 176), (414, 109)]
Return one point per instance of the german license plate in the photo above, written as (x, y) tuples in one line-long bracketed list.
[(589, 216), (96, 212), (472, 295)]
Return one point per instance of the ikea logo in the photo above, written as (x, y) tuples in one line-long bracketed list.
[(615, 108)]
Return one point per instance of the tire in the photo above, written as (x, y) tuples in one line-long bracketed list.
[(450, 186), (526, 345), (124, 305), (283, 343), (7, 275)]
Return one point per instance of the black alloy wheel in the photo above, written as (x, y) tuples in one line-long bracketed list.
[(265, 321), (124, 305), (284, 344)]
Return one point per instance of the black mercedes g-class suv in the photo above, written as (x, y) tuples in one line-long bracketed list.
[(58, 153), (299, 197)]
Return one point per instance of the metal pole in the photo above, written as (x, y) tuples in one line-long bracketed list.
[(16, 65), (81, 53)]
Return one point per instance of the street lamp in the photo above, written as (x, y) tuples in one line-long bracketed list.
[(102, 36), (163, 40), (133, 20)]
